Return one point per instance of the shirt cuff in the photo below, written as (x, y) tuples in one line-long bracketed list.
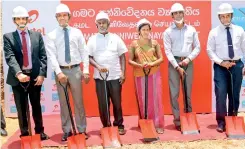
[(58, 70), (190, 58), (86, 71), (175, 64), (219, 61), (18, 73)]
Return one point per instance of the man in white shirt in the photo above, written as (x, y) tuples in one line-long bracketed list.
[(181, 46), (226, 47), (66, 49), (107, 55)]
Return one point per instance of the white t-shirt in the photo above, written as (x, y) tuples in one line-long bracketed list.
[(106, 50)]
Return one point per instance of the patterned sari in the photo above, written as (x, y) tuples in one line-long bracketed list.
[(144, 54)]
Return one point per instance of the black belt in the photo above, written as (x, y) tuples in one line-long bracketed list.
[(26, 71), (180, 58), (69, 67), (233, 61)]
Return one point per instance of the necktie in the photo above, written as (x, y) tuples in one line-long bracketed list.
[(230, 45), (24, 49), (67, 46)]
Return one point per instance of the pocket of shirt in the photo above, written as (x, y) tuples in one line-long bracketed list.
[(189, 38), (74, 42), (112, 46), (237, 41)]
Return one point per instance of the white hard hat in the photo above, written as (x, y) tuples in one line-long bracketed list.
[(62, 8), (225, 8), (20, 11), (102, 15), (177, 7), (143, 21)]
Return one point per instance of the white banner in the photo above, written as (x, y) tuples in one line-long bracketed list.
[(42, 19)]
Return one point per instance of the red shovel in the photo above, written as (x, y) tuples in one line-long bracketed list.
[(31, 141), (76, 141), (235, 128)]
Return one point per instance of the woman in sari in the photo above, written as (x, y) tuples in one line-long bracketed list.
[(145, 53)]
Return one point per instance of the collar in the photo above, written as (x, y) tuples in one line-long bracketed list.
[(103, 35), (68, 27), (224, 27), (19, 31), (175, 27)]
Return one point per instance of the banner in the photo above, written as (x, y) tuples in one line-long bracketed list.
[(42, 19), (124, 15)]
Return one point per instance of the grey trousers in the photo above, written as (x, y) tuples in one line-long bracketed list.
[(75, 80), (174, 89)]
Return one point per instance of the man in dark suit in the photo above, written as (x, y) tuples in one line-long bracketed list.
[(26, 57)]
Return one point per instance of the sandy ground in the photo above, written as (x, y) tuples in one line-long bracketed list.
[(12, 126)]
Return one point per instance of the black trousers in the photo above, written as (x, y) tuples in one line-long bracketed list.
[(222, 80), (114, 89), (3, 123), (20, 96)]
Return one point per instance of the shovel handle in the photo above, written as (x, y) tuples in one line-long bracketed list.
[(184, 86), (146, 72), (65, 88), (232, 96), (106, 75), (25, 87), (106, 99)]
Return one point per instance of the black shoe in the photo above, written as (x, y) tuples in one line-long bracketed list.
[(44, 136), (121, 131), (85, 134), (66, 135), (178, 128), (24, 134), (220, 128), (3, 132)]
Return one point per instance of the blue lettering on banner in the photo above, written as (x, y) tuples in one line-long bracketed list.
[(239, 17), (10, 89), (55, 97), (43, 108), (53, 76), (42, 89), (243, 83), (13, 109)]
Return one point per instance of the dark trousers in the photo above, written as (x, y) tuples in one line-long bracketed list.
[(222, 80), (114, 89), (20, 101), (3, 123)]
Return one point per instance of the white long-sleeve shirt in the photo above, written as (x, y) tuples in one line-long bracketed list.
[(55, 45), (217, 45), (181, 42)]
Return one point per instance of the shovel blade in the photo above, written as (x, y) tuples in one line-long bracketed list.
[(110, 137), (189, 124), (148, 130), (77, 142), (31, 142), (235, 128)]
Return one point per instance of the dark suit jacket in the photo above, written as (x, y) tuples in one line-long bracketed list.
[(14, 56)]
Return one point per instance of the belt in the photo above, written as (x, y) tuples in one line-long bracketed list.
[(180, 58), (69, 67), (233, 61), (26, 71)]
